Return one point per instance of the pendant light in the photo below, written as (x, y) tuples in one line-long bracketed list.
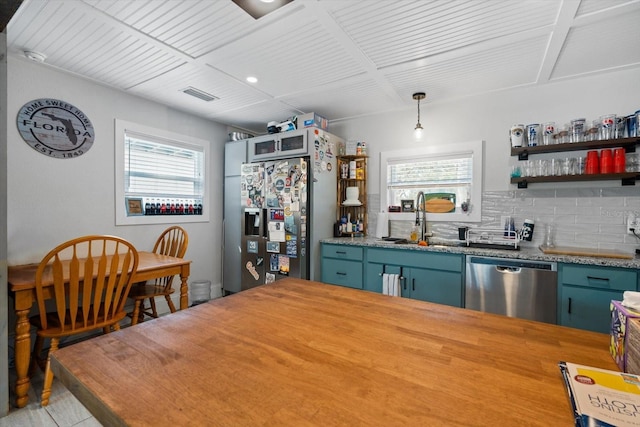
[(417, 132)]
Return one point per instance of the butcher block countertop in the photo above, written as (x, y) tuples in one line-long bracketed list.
[(301, 353), (613, 258)]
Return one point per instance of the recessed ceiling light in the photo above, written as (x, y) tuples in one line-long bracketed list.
[(252, 79), (266, 1), (35, 56)]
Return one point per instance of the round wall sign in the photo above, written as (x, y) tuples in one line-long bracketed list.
[(55, 128)]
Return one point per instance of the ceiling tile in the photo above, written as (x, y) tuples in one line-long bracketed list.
[(394, 32), (602, 45), (472, 74), (290, 57)]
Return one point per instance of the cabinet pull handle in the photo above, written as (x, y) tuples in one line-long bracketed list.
[(603, 279), (341, 252), (404, 282), (339, 273), (384, 267), (569, 306), (413, 284)]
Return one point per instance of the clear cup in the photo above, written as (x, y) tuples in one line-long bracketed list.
[(593, 130), (580, 164), (621, 125), (549, 235), (577, 130), (631, 162), (563, 135), (571, 166), (607, 126), (516, 171), (543, 167), (548, 130), (555, 167)]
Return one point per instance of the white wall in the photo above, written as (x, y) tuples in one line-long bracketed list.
[(53, 200), (489, 117)]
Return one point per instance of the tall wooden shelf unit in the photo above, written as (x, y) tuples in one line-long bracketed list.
[(360, 181)]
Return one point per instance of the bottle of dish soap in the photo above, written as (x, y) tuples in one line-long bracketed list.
[(414, 233)]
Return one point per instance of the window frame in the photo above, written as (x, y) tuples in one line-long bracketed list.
[(476, 148), (121, 126)]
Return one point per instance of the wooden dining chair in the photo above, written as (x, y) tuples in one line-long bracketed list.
[(88, 280), (173, 242)]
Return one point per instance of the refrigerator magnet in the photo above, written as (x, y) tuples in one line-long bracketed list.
[(252, 247), (284, 265), (269, 278), (273, 247), (274, 264), (292, 248)]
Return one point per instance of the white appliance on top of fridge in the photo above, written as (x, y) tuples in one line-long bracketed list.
[(288, 206)]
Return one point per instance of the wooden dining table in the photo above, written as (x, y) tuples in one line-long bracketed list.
[(21, 281), (304, 353)]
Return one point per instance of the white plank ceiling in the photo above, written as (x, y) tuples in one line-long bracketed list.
[(339, 58)]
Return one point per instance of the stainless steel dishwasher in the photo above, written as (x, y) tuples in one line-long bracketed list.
[(512, 287)]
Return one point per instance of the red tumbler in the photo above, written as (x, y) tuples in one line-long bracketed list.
[(592, 166), (619, 163), (606, 161)]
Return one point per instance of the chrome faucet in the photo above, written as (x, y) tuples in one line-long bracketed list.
[(421, 221)]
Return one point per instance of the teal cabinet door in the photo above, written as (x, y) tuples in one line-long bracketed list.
[(587, 308), (434, 277), (585, 293), (442, 287), (373, 274)]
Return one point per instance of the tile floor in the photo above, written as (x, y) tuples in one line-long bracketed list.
[(64, 410)]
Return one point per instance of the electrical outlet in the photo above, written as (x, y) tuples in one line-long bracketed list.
[(632, 224)]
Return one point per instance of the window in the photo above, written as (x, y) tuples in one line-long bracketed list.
[(161, 172), (454, 169)]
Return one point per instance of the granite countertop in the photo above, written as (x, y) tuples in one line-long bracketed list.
[(458, 247)]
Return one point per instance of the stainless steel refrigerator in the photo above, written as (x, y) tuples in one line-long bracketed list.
[(288, 206)]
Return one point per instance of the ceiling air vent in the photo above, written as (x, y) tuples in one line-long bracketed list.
[(199, 94)]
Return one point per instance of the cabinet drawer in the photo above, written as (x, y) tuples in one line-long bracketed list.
[(342, 272), (342, 252), (622, 279)]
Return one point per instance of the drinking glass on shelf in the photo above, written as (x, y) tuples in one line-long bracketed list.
[(563, 135), (607, 126), (548, 129), (580, 165), (571, 166), (593, 130), (543, 167), (577, 130)]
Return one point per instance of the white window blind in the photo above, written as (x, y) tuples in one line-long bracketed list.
[(432, 174), (155, 167)]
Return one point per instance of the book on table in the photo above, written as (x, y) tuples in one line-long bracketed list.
[(600, 397)]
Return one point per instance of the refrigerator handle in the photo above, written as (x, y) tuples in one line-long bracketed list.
[(264, 223)]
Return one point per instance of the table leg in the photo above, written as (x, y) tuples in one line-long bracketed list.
[(22, 357), (184, 289)]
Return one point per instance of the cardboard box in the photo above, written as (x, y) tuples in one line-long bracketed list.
[(633, 347), (311, 120), (351, 147), (618, 341)]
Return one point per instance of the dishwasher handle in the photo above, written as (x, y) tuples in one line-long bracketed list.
[(508, 270)]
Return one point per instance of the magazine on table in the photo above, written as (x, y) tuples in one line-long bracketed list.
[(600, 397)]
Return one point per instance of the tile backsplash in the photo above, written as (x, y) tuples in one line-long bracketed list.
[(583, 217)]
